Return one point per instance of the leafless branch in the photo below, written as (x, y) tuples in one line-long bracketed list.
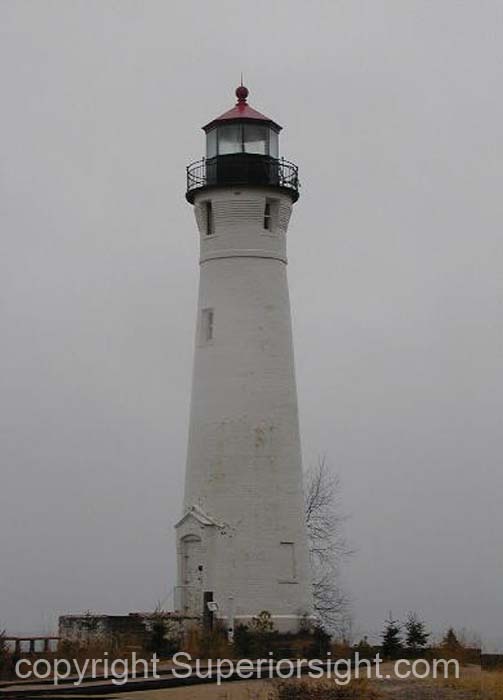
[(327, 543)]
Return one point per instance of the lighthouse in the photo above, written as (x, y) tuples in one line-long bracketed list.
[(241, 541)]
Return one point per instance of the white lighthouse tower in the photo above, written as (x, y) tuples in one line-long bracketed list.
[(241, 542)]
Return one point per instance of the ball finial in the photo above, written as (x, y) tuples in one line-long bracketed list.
[(241, 93)]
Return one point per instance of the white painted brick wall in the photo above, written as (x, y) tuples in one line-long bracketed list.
[(244, 459)]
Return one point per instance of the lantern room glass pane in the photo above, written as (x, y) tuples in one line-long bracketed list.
[(211, 143), (273, 144), (229, 139), (255, 139)]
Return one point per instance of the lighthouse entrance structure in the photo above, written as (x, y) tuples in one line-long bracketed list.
[(241, 542)]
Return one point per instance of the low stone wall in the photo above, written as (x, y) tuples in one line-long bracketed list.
[(133, 629)]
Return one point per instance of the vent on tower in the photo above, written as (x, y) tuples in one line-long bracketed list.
[(207, 316)]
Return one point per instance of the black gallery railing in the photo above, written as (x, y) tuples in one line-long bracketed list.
[(242, 169)]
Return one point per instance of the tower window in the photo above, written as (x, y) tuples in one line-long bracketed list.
[(287, 562), (207, 317), (267, 216), (210, 226), (270, 214)]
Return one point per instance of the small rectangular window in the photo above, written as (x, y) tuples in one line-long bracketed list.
[(210, 228), (271, 213), (288, 564), (207, 317), (267, 216)]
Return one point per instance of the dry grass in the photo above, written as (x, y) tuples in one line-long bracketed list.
[(469, 687), (492, 685), (323, 689), (473, 685), (213, 645), (252, 690), (487, 685)]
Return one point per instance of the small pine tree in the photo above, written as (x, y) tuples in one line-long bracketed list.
[(450, 640), (157, 641), (162, 638), (415, 630), (391, 638), (363, 648)]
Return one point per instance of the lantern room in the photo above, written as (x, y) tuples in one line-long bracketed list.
[(242, 148), (242, 130)]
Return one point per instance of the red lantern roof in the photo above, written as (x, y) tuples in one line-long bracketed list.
[(242, 111)]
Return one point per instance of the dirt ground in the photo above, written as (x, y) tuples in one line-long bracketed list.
[(244, 690), (469, 687)]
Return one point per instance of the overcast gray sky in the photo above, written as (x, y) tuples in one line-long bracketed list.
[(393, 111)]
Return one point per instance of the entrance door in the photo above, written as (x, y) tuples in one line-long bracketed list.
[(192, 575)]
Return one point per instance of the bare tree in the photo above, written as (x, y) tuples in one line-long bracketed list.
[(327, 545)]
